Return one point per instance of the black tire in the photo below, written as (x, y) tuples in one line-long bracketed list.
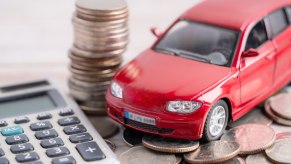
[(206, 131)]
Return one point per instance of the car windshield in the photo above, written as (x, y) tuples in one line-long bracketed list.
[(200, 42)]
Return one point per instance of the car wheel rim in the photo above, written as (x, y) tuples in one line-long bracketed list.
[(217, 120)]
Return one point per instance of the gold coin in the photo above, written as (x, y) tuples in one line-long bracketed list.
[(281, 105), (257, 159), (101, 5), (104, 126), (276, 118), (213, 152), (280, 151), (253, 138), (95, 55), (169, 145)]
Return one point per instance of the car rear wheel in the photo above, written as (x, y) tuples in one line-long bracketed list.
[(216, 121)]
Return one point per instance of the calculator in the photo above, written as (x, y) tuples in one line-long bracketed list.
[(39, 125)]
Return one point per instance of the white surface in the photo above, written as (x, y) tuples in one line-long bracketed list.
[(35, 35)]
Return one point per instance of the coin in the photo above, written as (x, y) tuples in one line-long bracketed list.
[(87, 85), (169, 145), (101, 5), (141, 155), (104, 126), (257, 159), (213, 152), (283, 135), (253, 138), (276, 118), (280, 151), (111, 145), (132, 137), (85, 96), (88, 17), (236, 160), (91, 78), (281, 105), (98, 111), (179, 159), (256, 116), (80, 21), (94, 55)]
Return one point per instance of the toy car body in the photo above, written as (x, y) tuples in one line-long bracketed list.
[(213, 65)]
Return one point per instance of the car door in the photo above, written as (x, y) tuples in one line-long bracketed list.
[(257, 73), (281, 37)]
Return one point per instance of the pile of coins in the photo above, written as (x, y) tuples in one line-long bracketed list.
[(100, 38)]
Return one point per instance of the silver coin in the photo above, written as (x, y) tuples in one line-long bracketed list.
[(132, 137), (101, 5), (104, 126), (85, 96), (169, 145), (280, 151), (92, 79), (96, 55), (276, 118), (100, 32), (80, 21), (101, 13), (141, 155), (256, 116), (101, 18), (281, 105), (105, 47), (213, 152), (88, 85), (236, 160), (257, 159)]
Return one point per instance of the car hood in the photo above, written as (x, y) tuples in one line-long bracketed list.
[(152, 79)]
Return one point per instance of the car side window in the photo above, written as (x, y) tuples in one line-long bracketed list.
[(278, 22), (257, 36), (288, 11)]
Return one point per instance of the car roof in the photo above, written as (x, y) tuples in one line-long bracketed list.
[(234, 14)]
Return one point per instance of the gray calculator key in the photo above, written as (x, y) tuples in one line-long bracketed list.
[(45, 134), (21, 120), (35, 162), (17, 139), (56, 152), (3, 123), (90, 151), (27, 157), (41, 126), (64, 160), (1, 152), (66, 112), (53, 142), (44, 116), (4, 160), (68, 121), (78, 138), (21, 148), (74, 129)]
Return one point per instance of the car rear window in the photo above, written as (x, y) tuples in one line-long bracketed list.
[(278, 22), (288, 11)]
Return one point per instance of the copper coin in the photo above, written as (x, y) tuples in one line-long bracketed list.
[(283, 135), (280, 151), (104, 126), (101, 5), (213, 152), (96, 55), (276, 118), (168, 145), (141, 155), (132, 137), (255, 116), (253, 138), (257, 159), (281, 105), (236, 160)]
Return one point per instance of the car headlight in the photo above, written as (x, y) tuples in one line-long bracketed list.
[(116, 89), (183, 107)]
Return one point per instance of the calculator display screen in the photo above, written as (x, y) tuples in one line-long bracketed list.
[(33, 104)]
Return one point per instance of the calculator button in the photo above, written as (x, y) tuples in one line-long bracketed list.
[(56, 152), (27, 157), (21, 120), (41, 126), (1, 152), (17, 139), (64, 160), (35, 162), (90, 151), (78, 138), (12, 130), (44, 116), (74, 129), (45, 134), (66, 112), (3, 123), (54, 142), (21, 148), (68, 121), (4, 160)]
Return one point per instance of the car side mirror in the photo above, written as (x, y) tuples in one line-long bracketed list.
[(156, 32), (250, 53)]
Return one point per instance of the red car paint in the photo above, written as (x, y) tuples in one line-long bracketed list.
[(154, 78)]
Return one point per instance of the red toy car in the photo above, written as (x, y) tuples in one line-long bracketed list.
[(213, 65)]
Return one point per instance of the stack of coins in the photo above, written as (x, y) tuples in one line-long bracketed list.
[(100, 38)]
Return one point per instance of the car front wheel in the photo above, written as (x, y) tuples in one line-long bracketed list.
[(216, 121)]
